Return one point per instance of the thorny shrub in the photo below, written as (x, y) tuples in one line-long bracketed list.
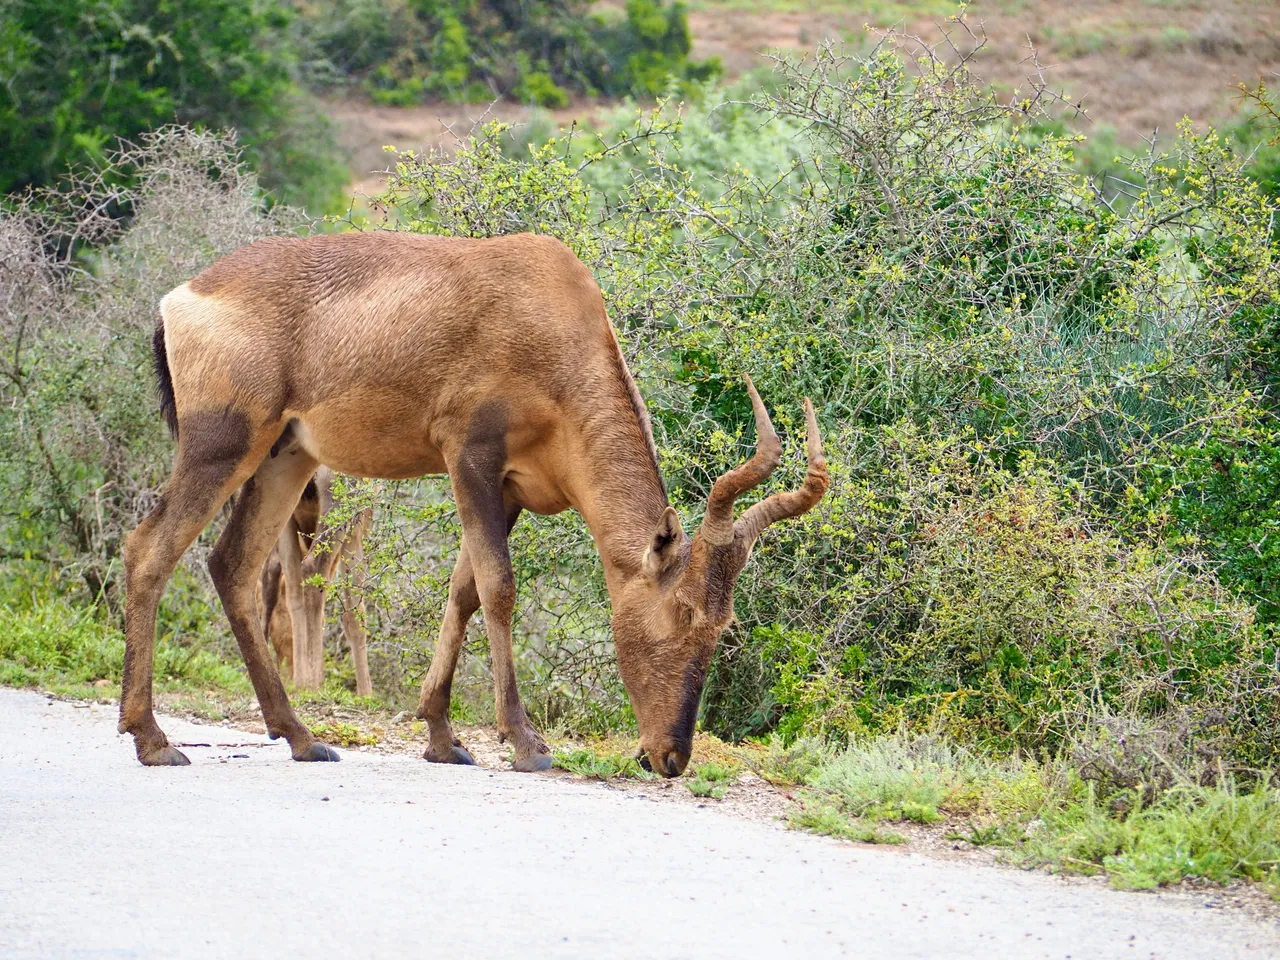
[(83, 450)]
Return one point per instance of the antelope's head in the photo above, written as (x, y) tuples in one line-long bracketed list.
[(668, 618)]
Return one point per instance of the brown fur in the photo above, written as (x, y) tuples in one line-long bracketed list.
[(395, 355)]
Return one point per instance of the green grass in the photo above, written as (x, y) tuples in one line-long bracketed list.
[(817, 816), (73, 651), (1216, 833), (711, 780), (1046, 816), (598, 764), (343, 734)]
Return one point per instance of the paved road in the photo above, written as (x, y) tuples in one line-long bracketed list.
[(256, 856)]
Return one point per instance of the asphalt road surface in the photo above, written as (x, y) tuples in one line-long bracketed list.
[(246, 854)]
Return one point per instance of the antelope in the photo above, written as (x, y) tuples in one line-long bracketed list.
[(293, 609), (396, 355)]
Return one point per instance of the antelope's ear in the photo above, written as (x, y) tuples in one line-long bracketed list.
[(664, 545)]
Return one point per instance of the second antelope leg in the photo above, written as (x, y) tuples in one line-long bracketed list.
[(289, 549), (353, 603), (261, 511)]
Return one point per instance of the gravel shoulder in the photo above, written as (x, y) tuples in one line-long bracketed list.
[(247, 854)]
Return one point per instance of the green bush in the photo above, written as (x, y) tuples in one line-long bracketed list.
[(78, 74), (405, 51), (982, 599), (537, 88)]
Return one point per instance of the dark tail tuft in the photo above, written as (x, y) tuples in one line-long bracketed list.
[(164, 381)]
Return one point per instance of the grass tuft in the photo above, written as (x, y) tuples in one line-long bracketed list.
[(894, 778), (599, 764), (793, 764), (1215, 833), (712, 780), (817, 816), (343, 734)]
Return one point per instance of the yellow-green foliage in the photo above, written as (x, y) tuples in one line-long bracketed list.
[(599, 763), (984, 600), (343, 734)]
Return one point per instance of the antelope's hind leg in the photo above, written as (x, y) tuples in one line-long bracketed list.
[(216, 453), (353, 608), (266, 503)]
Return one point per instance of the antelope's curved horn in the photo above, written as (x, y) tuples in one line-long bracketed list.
[(781, 506), (717, 525)]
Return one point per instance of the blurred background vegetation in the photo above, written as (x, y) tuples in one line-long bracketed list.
[(79, 74), (1046, 352)]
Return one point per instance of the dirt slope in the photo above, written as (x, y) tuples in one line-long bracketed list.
[(1138, 65)]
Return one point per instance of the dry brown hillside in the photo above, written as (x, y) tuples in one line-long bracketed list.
[(1138, 65)]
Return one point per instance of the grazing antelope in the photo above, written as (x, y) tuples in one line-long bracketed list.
[(397, 355), (293, 609)]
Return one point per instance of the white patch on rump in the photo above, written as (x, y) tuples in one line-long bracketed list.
[(183, 309)]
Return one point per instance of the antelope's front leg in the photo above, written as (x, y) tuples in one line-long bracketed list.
[(487, 517), (433, 705), (497, 588)]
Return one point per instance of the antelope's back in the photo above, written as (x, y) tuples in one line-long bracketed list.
[(289, 322)]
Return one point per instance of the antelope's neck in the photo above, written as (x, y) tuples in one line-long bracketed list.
[(622, 498)]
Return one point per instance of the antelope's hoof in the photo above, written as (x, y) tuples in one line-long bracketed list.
[(533, 763), (318, 753), (457, 754), (165, 756)]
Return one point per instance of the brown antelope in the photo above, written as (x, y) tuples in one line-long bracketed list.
[(293, 609), (397, 355)]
